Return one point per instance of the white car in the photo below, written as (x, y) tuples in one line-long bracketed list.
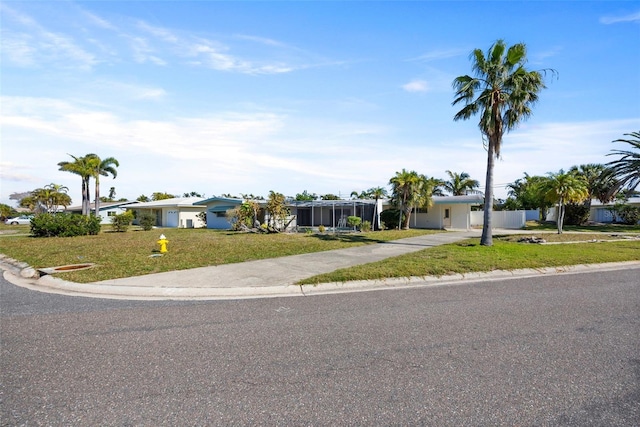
[(20, 220)]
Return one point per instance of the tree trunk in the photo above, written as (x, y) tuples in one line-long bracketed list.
[(560, 219), (97, 196), (84, 196), (487, 237)]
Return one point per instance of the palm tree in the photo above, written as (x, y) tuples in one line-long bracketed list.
[(411, 190), (84, 167), (562, 188), (626, 170), (506, 92), (460, 184), (600, 182), (377, 193), (102, 167)]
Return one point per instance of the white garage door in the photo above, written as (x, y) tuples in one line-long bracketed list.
[(172, 218)]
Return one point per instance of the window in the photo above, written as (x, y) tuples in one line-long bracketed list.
[(111, 213), (447, 214), (221, 214)]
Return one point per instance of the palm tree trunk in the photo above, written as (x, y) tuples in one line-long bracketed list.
[(97, 196), (487, 237), (84, 196)]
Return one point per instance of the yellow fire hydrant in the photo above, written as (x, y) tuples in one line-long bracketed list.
[(163, 244)]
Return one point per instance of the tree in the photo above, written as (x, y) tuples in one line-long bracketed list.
[(48, 199), (83, 167), (525, 193), (112, 193), (102, 167), (626, 169), (376, 193), (562, 188), (161, 196), (305, 196), (142, 198), (600, 182), (277, 209), (329, 197), (410, 190), (460, 184), (362, 195), (506, 92), (192, 194)]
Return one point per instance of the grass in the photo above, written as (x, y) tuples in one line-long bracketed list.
[(599, 228), (127, 254), (468, 256)]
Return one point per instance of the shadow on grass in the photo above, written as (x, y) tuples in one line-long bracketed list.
[(347, 238)]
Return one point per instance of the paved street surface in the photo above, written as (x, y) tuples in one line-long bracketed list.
[(550, 350)]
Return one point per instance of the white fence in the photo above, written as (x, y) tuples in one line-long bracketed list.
[(504, 219)]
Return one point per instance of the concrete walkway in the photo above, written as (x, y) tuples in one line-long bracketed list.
[(263, 278)]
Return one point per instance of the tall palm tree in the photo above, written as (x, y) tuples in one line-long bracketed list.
[(562, 188), (376, 193), (506, 92), (103, 167), (411, 190), (626, 170), (460, 184), (84, 167)]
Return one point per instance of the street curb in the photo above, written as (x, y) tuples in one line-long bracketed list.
[(52, 284)]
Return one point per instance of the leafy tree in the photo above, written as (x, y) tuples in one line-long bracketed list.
[(506, 92), (562, 188), (142, 198), (83, 167), (626, 169), (161, 196), (526, 193), (102, 167), (460, 184), (277, 209), (600, 182), (121, 222), (330, 197), (6, 211), (306, 196), (411, 190), (192, 194), (48, 199)]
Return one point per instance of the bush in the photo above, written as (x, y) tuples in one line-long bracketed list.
[(629, 215), (354, 221), (321, 228), (576, 214), (390, 218), (366, 226), (146, 220), (64, 225), (122, 221)]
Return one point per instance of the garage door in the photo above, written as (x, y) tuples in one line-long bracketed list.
[(172, 218)]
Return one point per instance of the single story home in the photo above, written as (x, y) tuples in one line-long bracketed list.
[(179, 212), (447, 212), (601, 212), (107, 210), (216, 209)]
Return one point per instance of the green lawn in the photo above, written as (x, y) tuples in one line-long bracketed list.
[(127, 254), (603, 228), (505, 254)]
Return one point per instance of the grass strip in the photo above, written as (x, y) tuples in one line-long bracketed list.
[(469, 256), (127, 254)]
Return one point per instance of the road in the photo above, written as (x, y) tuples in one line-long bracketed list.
[(554, 350)]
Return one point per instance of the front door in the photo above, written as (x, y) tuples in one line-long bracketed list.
[(447, 218)]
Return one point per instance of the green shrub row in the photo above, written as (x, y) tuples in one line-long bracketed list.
[(64, 225)]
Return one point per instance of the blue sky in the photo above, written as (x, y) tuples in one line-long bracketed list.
[(329, 97)]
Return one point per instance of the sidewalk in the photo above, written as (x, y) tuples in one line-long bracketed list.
[(263, 278)]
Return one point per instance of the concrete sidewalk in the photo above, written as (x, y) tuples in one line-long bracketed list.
[(263, 278)]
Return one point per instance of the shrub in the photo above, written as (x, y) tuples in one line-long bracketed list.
[(390, 218), (64, 225), (146, 220), (366, 226), (321, 228), (629, 215), (122, 221), (576, 214), (354, 221)]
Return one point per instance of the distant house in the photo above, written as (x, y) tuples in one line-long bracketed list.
[(601, 212), (216, 209), (447, 212), (180, 212), (107, 210)]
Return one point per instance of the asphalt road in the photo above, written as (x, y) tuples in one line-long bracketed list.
[(554, 350)]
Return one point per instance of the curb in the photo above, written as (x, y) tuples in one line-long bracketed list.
[(58, 286)]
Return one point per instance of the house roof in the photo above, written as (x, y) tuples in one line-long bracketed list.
[(103, 206), (219, 199), (470, 199), (167, 203), (630, 201)]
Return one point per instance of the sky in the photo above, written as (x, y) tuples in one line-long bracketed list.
[(330, 97)]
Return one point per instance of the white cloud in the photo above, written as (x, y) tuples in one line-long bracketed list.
[(632, 17), (416, 86)]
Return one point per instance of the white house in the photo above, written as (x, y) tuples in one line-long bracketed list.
[(447, 212), (600, 212), (179, 212), (216, 209), (107, 210)]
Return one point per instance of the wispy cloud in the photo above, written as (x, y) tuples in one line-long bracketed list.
[(435, 55), (632, 17), (416, 86)]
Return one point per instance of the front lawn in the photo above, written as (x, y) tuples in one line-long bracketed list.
[(128, 254)]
